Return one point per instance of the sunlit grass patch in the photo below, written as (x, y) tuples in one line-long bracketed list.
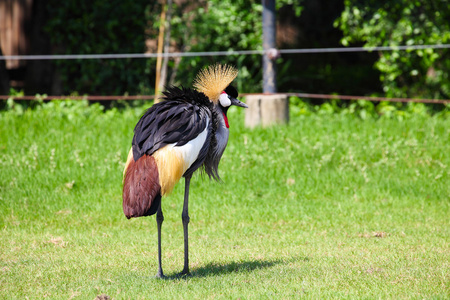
[(327, 206)]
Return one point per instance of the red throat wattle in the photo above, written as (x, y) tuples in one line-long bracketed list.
[(226, 120), (225, 116)]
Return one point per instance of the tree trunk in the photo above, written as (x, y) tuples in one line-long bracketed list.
[(4, 79), (39, 73)]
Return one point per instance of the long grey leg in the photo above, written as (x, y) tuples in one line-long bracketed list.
[(159, 221), (185, 218)]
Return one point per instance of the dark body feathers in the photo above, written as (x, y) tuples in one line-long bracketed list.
[(180, 118)]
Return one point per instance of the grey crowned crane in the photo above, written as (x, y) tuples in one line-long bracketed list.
[(174, 138)]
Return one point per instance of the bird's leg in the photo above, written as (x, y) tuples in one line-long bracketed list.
[(185, 218), (159, 221)]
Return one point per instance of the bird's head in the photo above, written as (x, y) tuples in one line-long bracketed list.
[(227, 98), (215, 81)]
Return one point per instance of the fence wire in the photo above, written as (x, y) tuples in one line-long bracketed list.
[(222, 53)]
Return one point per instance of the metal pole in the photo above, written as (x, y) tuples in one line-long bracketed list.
[(269, 30)]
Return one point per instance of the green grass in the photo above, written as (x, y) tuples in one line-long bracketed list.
[(330, 206)]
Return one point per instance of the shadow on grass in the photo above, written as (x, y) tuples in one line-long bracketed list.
[(217, 269)]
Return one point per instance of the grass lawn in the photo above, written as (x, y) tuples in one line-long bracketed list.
[(330, 206)]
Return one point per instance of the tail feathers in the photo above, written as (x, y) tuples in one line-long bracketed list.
[(141, 188)]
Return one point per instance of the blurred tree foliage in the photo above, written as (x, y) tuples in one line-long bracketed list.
[(222, 25), (342, 73), (131, 26), (421, 73), (100, 27), (127, 26)]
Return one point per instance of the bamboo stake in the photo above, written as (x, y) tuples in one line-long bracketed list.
[(160, 48), (163, 75)]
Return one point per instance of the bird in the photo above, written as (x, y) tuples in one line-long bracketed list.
[(186, 132)]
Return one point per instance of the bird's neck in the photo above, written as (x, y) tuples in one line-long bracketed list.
[(223, 111), (221, 114), (222, 130), (225, 119)]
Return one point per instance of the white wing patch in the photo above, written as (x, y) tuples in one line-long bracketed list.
[(189, 152), (173, 160)]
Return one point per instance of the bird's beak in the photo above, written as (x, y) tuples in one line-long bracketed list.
[(236, 102)]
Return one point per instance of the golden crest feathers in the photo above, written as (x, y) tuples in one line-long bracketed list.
[(214, 79)]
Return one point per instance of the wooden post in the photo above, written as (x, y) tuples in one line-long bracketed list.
[(266, 110)]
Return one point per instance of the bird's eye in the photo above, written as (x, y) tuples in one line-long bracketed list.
[(224, 100)]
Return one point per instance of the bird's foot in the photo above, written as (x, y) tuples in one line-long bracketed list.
[(160, 275), (184, 273)]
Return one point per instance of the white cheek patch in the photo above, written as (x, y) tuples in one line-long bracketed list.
[(224, 100)]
